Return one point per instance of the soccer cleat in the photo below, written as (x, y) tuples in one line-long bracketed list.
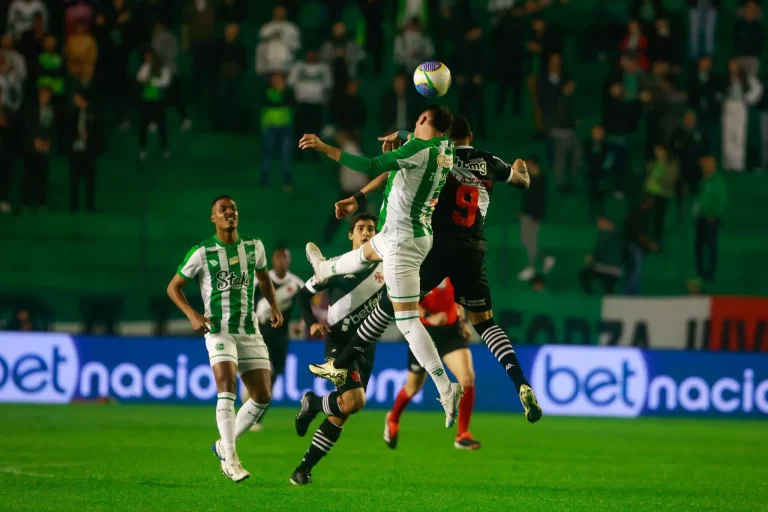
[(466, 442), (391, 430), (530, 404), (328, 371), (451, 404), (305, 416), (301, 478), (315, 258), (234, 471)]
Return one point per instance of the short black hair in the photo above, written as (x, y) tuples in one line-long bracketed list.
[(361, 217), (460, 129), (441, 117), (219, 198)]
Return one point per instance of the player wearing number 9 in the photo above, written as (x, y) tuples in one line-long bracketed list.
[(459, 245)]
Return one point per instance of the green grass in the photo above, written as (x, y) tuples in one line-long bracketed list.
[(87, 457)]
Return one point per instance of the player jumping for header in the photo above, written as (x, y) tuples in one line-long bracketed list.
[(459, 224), (417, 174), (226, 265)]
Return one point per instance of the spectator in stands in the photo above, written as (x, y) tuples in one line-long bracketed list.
[(413, 11), (14, 62), (663, 173), (51, 73), (705, 96), (348, 111), (232, 61), (708, 212), (543, 42), (149, 12), (77, 11), (412, 46), (31, 45), (470, 76), (198, 34), (342, 54), (13, 94), (21, 14), (233, 11), (531, 216), (605, 264), (638, 242), (664, 44), (646, 12), (665, 106), (749, 39), (702, 19), (154, 78), (400, 106), (620, 117), (115, 35), (762, 107), (350, 182), (556, 93), (510, 35), (374, 32), (688, 144), (276, 129), (7, 152), (636, 42), (167, 49), (312, 82), (280, 39), (38, 131), (596, 156), (609, 23), (743, 91), (81, 53), (86, 135)]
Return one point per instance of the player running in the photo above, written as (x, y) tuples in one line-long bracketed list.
[(445, 322), (459, 232), (226, 265), (352, 297), (417, 175)]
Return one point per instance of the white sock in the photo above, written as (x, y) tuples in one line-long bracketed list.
[(348, 263), (247, 416), (225, 419), (423, 348)]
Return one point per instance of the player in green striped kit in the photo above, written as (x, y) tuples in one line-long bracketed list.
[(417, 173), (226, 265)]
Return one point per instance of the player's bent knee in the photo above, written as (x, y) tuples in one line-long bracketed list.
[(260, 395), (353, 401)]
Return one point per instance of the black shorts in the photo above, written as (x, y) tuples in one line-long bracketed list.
[(278, 352), (447, 339), (466, 269), (359, 371)]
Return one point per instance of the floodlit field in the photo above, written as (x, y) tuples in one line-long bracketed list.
[(90, 457)]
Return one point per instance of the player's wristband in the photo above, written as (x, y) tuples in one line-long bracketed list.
[(359, 197), (403, 135)]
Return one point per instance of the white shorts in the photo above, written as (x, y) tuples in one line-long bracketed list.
[(247, 351), (402, 259)]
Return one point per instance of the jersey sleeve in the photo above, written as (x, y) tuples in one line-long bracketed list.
[(261, 255), (408, 156), (500, 170), (192, 264)]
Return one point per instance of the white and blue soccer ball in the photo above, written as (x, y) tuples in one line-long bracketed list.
[(432, 78)]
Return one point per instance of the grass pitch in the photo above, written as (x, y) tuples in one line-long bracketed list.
[(114, 458)]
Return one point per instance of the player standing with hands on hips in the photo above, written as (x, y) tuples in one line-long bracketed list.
[(226, 265)]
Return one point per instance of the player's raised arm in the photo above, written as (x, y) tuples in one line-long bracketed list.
[(349, 205), (409, 154), (268, 292)]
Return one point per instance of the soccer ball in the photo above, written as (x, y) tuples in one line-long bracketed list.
[(432, 78)]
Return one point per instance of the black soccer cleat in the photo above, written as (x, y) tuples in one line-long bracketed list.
[(301, 478), (305, 416)]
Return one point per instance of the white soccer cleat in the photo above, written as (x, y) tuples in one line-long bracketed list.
[(327, 371), (451, 404), (218, 451), (234, 471), (315, 257)]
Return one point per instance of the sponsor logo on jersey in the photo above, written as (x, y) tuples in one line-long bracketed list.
[(349, 276), (214, 263), (362, 312), (477, 165), (229, 280)]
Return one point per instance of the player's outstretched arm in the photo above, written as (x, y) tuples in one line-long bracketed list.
[(268, 292), (174, 290), (312, 141), (348, 206)]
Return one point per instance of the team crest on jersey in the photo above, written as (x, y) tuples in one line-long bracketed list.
[(220, 346), (234, 260), (379, 277), (252, 258)]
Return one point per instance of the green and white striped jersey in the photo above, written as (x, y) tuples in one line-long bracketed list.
[(420, 168), (227, 274)]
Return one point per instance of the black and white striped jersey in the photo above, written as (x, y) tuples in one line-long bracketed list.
[(459, 217)]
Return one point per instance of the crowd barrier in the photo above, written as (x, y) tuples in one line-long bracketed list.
[(568, 379)]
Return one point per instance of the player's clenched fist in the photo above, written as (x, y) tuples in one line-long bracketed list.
[(312, 141), (521, 177)]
